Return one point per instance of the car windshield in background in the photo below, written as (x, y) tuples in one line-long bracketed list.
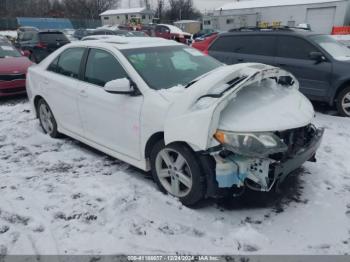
[(166, 67), (335, 49), (8, 51), (52, 37)]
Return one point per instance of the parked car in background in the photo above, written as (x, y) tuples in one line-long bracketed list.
[(13, 70), (172, 32), (203, 32), (41, 43), (21, 30), (69, 33), (202, 43), (110, 32), (80, 33), (319, 62), (201, 127), (138, 33)]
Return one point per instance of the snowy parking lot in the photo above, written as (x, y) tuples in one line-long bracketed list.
[(61, 197)]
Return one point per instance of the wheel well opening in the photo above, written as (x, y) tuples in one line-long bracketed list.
[(36, 101), (152, 141), (341, 88)]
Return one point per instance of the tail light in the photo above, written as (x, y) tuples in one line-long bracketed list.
[(206, 52), (41, 45)]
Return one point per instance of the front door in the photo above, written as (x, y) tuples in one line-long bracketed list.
[(111, 120), (293, 55)]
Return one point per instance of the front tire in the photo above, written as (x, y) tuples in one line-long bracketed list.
[(47, 119), (176, 171), (343, 102)]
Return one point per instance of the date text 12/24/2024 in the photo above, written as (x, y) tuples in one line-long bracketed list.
[(173, 258)]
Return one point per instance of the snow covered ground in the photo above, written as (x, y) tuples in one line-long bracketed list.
[(61, 197)]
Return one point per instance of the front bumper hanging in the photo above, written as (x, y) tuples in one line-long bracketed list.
[(235, 171)]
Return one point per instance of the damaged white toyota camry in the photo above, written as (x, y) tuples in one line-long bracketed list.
[(202, 128)]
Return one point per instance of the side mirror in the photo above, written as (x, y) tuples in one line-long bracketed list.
[(120, 86), (317, 56)]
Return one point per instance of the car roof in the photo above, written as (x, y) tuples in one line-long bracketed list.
[(121, 42), (271, 31)]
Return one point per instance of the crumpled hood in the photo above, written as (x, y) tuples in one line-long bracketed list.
[(266, 107), (247, 106)]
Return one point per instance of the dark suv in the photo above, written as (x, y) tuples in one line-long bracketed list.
[(320, 63), (41, 43)]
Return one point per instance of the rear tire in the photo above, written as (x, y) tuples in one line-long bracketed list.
[(47, 119), (176, 170), (343, 102)]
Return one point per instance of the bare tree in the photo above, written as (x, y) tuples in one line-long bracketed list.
[(182, 9), (90, 9)]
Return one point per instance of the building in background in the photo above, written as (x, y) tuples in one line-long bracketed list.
[(321, 15), (189, 26), (141, 15)]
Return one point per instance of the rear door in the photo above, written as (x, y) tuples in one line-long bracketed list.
[(61, 87), (235, 49), (293, 55)]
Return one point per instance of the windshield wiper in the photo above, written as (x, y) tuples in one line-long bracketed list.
[(231, 84), (191, 83)]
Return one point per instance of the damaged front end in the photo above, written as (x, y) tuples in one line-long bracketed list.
[(258, 161), (249, 124)]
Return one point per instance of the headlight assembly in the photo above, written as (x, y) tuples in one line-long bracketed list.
[(258, 144)]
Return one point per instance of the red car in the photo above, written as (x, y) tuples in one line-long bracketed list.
[(173, 33), (13, 70), (203, 44)]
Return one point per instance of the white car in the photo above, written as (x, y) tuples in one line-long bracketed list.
[(201, 127)]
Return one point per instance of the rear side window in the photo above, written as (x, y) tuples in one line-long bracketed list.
[(249, 44), (293, 47), (52, 37), (102, 67), (28, 36), (68, 63)]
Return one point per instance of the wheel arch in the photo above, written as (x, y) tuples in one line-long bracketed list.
[(340, 88), (151, 142), (36, 100), (160, 136)]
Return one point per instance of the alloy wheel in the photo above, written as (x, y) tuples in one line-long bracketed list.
[(46, 118), (173, 172), (346, 103)]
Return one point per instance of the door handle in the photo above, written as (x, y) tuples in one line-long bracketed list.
[(83, 93), (240, 59), (281, 64)]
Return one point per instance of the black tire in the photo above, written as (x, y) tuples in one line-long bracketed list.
[(197, 191), (340, 99), (53, 132)]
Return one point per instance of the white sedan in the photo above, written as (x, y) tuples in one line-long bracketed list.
[(202, 128)]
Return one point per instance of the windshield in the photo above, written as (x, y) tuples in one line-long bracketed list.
[(335, 49), (8, 51), (169, 66)]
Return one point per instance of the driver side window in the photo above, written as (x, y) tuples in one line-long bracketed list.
[(102, 67)]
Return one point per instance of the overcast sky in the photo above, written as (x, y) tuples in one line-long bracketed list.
[(199, 4)]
